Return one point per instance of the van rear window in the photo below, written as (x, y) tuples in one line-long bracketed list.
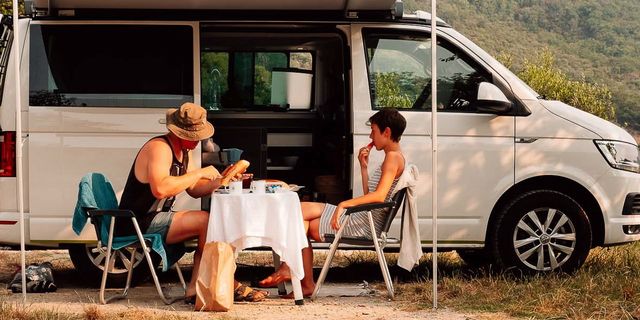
[(111, 65)]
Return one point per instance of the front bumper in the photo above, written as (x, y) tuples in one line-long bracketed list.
[(617, 192)]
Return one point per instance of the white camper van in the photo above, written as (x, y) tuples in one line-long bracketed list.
[(523, 181)]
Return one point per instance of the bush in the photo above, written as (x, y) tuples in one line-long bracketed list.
[(543, 76)]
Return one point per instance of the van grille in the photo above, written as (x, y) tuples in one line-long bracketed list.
[(632, 204)]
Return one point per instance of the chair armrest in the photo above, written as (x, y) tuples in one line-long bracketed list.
[(113, 213), (369, 206)]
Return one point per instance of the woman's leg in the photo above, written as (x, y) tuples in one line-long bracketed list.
[(187, 225), (311, 211)]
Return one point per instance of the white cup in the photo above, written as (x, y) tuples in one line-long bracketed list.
[(258, 186), (235, 187)]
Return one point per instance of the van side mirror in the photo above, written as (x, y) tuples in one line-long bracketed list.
[(492, 100)]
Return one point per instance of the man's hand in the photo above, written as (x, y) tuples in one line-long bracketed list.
[(237, 177), (210, 173), (335, 219)]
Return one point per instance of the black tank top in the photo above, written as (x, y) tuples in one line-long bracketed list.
[(137, 196)]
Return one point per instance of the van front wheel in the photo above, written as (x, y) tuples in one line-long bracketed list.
[(541, 231), (89, 260)]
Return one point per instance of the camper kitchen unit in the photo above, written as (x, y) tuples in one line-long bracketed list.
[(523, 181)]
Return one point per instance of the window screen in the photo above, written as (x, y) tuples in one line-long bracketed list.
[(111, 65)]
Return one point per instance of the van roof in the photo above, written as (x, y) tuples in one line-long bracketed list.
[(229, 10), (297, 5)]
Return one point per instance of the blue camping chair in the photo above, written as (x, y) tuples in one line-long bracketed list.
[(97, 202)]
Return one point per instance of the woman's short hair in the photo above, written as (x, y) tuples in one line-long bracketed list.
[(392, 119)]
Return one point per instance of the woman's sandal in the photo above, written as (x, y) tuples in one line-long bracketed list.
[(190, 300), (244, 293)]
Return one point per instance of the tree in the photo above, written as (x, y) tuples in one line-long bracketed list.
[(543, 76), (6, 7)]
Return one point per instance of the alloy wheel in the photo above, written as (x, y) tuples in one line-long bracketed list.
[(120, 264), (544, 239)]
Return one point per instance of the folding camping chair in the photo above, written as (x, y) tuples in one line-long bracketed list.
[(379, 238), (96, 186)]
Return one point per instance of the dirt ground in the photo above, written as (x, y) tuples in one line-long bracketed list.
[(336, 301)]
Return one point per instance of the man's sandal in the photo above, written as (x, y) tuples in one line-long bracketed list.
[(244, 293)]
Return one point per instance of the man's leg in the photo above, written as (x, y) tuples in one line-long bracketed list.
[(187, 225)]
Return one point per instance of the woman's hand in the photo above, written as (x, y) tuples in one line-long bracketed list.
[(363, 157), (335, 219)]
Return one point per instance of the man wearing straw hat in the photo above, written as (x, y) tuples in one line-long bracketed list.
[(162, 169)]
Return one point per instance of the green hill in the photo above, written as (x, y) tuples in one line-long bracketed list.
[(597, 39)]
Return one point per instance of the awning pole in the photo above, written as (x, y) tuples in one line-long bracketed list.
[(16, 59), (434, 153)]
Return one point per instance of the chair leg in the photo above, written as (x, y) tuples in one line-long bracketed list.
[(282, 288), (125, 291), (108, 265), (105, 271), (146, 250), (181, 277), (132, 262), (327, 262), (381, 259)]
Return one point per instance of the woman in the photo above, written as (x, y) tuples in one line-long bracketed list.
[(387, 126)]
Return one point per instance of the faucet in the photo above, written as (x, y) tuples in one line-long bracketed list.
[(214, 89)]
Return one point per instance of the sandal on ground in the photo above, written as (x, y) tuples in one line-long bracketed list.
[(190, 300), (244, 293)]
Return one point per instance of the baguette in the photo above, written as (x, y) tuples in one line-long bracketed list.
[(235, 169)]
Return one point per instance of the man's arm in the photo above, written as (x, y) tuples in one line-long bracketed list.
[(159, 158), (202, 187)]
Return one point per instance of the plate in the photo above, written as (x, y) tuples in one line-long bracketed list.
[(295, 187)]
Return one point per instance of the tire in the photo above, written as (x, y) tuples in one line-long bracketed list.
[(87, 260), (476, 257), (542, 231)]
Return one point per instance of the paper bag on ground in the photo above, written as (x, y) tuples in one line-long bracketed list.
[(214, 286)]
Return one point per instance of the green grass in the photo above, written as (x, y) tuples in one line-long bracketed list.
[(606, 287)]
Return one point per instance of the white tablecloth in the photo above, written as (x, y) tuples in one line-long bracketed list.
[(253, 220)]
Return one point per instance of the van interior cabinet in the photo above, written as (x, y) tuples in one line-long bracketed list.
[(278, 145)]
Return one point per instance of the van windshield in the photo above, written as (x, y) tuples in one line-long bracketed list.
[(111, 65)]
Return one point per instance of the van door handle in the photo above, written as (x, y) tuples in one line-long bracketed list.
[(162, 121), (526, 140)]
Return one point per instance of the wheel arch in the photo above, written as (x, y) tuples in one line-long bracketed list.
[(561, 184)]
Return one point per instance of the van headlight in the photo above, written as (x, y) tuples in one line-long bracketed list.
[(620, 155)]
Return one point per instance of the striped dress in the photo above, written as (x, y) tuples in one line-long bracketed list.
[(359, 223)]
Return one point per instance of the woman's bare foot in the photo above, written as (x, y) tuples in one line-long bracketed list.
[(281, 275)]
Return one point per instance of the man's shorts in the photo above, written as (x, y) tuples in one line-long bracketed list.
[(160, 224)]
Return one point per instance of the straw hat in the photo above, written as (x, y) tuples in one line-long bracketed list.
[(189, 122)]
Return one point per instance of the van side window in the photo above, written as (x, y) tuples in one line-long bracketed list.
[(243, 79), (399, 68), (111, 65)]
